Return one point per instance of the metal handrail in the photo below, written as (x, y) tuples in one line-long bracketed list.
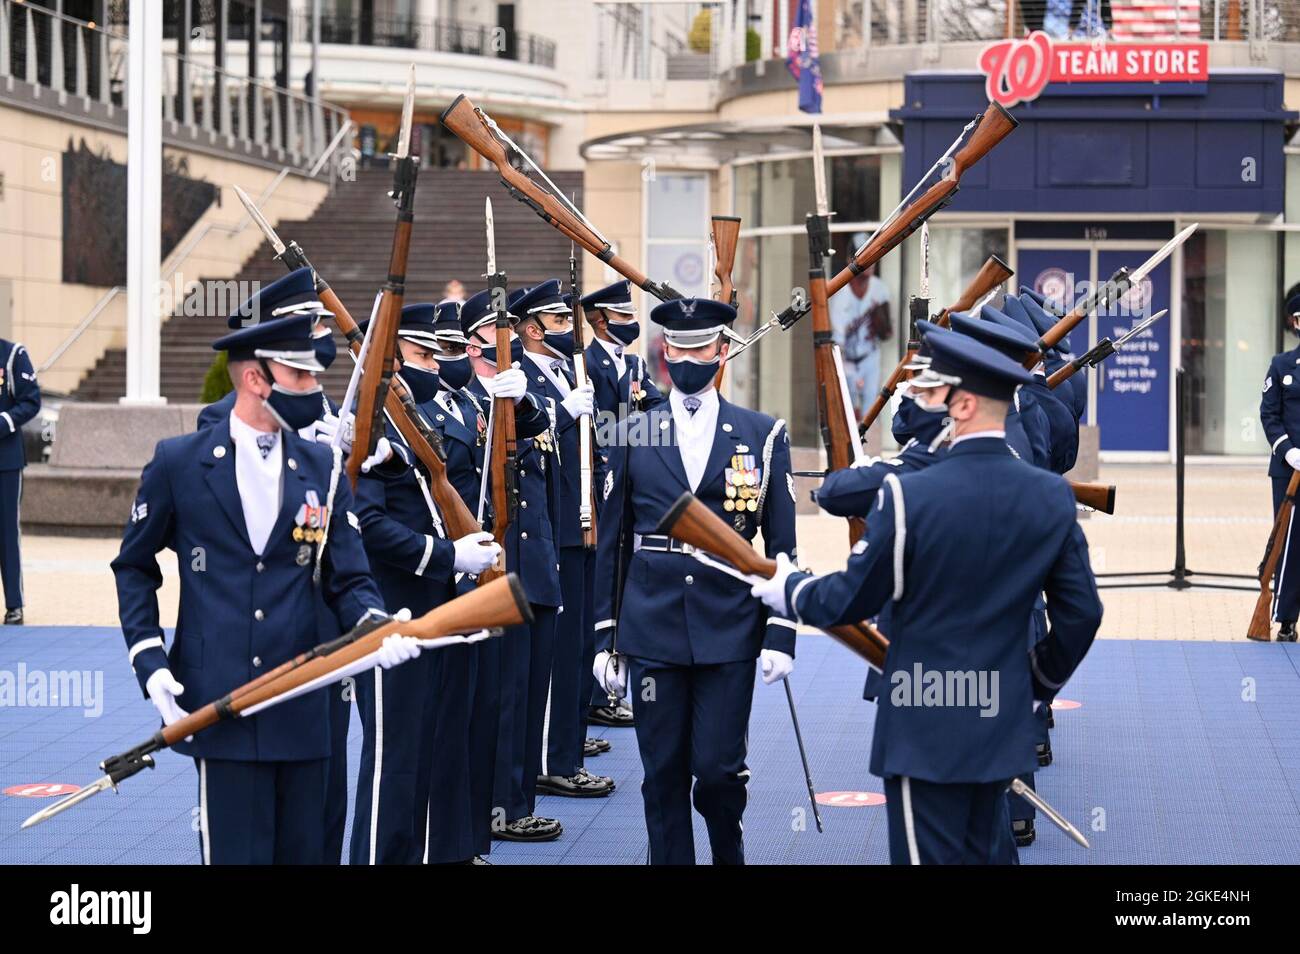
[(182, 254)]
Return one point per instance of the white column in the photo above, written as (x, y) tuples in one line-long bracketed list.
[(144, 201)]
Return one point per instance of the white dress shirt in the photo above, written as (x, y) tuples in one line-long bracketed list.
[(695, 432), (448, 404), (258, 479), (974, 435), (615, 352), (544, 361)]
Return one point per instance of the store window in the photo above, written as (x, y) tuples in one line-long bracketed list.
[(677, 229), (1230, 320)]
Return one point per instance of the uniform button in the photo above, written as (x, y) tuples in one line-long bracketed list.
[(260, 566), (259, 615), (524, 535), (523, 503), (257, 661), (690, 580), (522, 472)]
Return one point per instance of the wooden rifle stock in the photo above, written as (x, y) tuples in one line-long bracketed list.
[(504, 444), (376, 378), (1097, 496), (1261, 623), (992, 273), (471, 125), (406, 417), (726, 236), (500, 604), (587, 434), (1107, 294), (832, 413), (690, 521)]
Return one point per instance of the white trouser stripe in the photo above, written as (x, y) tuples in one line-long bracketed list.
[(205, 842), (546, 728), (909, 823), (379, 762)]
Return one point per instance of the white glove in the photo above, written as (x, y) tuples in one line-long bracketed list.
[(772, 592), (1293, 458), (611, 673), (163, 689), (383, 451), (511, 383), (326, 427), (580, 401), (475, 552), (776, 665), (397, 649)]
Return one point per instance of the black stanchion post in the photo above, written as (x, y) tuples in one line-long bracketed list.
[(1179, 581)]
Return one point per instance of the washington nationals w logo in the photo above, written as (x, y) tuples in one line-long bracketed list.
[(1017, 70)]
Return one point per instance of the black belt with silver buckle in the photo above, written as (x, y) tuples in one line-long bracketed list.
[(659, 543)]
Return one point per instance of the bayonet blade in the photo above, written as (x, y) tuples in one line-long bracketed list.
[(1139, 328), (1165, 251), (259, 220), (408, 112), (819, 172), (925, 261), (1055, 817), (63, 804), (491, 238)]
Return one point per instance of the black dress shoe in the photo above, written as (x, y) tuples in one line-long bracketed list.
[(478, 860), (1044, 752), (602, 779), (578, 785), (1284, 635), (529, 828), (1051, 719), (1023, 830), (14, 617), (616, 717), (593, 747)]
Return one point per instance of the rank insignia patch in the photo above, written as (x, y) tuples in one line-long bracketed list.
[(609, 485), (139, 511)]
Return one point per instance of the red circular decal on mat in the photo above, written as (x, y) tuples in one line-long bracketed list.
[(850, 799), (41, 789), (1061, 705)]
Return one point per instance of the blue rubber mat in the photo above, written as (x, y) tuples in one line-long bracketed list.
[(1176, 753)]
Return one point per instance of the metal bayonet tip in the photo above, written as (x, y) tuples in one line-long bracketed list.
[(259, 220), (819, 172), (408, 113), (63, 804)]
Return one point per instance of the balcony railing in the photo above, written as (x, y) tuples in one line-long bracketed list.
[(439, 36), (74, 59)]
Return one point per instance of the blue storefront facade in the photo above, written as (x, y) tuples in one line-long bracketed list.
[(1100, 175)]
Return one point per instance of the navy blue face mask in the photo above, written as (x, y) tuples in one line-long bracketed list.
[(294, 410), (421, 382), (325, 348), (560, 342), (516, 352), (690, 375), (455, 372), (624, 332)]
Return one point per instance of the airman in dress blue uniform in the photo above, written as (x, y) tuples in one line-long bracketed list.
[(246, 506), (295, 294), (525, 653), (1044, 314), (417, 566), (1058, 408), (20, 401), (957, 723), (623, 384), (1279, 412), (682, 637), (546, 329)]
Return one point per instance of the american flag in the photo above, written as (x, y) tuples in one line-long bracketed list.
[(1156, 19)]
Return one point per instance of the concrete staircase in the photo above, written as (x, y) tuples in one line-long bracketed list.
[(348, 240)]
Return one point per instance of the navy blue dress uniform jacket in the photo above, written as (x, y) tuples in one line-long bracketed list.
[(20, 401), (938, 546), (241, 614), (1279, 410), (611, 390), (530, 543), (1062, 425), (675, 609), (566, 477), (460, 442)]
